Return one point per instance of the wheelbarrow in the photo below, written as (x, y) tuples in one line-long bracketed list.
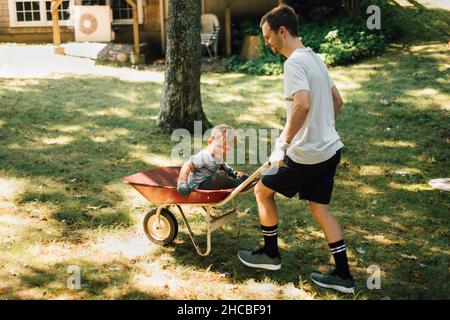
[(159, 186)]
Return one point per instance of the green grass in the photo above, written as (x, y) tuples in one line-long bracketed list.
[(65, 145), (417, 21)]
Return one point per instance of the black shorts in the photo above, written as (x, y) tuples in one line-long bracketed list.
[(312, 182)]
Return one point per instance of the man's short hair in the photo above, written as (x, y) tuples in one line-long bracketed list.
[(281, 16)]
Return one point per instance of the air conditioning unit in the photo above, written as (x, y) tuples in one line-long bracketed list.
[(93, 23)]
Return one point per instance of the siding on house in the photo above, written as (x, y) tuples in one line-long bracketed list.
[(4, 15), (149, 30)]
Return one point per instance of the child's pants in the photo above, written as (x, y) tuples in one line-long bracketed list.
[(220, 180)]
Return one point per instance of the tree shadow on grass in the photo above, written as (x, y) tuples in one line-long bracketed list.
[(81, 158), (422, 24), (97, 281)]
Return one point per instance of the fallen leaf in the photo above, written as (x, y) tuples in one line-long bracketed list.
[(412, 257), (360, 250), (416, 274)]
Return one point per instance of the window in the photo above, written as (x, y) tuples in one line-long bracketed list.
[(28, 11), (37, 13), (31, 13), (93, 2), (121, 10), (63, 10)]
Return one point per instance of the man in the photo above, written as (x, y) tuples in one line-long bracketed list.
[(306, 153)]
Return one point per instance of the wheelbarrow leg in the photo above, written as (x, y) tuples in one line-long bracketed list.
[(237, 226), (191, 234), (158, 214)]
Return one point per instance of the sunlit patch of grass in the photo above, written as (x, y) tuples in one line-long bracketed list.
[(139, 152), (9, 187), (395, 144), (410, 187), (59, 140)]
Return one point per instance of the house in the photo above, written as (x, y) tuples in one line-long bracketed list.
[(31, 20)]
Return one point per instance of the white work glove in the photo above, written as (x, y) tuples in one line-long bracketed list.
[(278, 157)]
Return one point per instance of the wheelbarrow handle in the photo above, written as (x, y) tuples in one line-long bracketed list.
[(243, 185)]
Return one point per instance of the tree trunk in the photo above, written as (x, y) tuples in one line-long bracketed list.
[(352, 8), (181, 102)]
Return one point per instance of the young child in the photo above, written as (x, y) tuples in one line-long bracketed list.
[(207, 169)]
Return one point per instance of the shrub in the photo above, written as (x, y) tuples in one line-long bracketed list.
[(267, 64), (346, 43), (338, 42)]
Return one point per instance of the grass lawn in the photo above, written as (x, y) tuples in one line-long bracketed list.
[(65, 145)]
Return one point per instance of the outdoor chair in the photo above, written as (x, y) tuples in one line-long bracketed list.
[(210, 30)]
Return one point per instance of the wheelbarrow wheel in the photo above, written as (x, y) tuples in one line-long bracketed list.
[(167, 230)]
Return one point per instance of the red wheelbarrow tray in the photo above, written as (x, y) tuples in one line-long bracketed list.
[(159, 186)]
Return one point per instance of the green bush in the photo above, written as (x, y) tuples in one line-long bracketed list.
[(346, 43), (250, 28), (267, 64), (260, 66), (338, 42)]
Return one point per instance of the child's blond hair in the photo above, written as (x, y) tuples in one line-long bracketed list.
[(223, 131)]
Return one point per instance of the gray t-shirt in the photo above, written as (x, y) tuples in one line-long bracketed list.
[(205, 166), (317, 140)]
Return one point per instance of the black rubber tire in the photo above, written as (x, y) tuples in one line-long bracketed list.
[(169, 222)]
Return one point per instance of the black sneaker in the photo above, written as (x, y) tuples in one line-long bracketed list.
[(259, 259), (333, 281)]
